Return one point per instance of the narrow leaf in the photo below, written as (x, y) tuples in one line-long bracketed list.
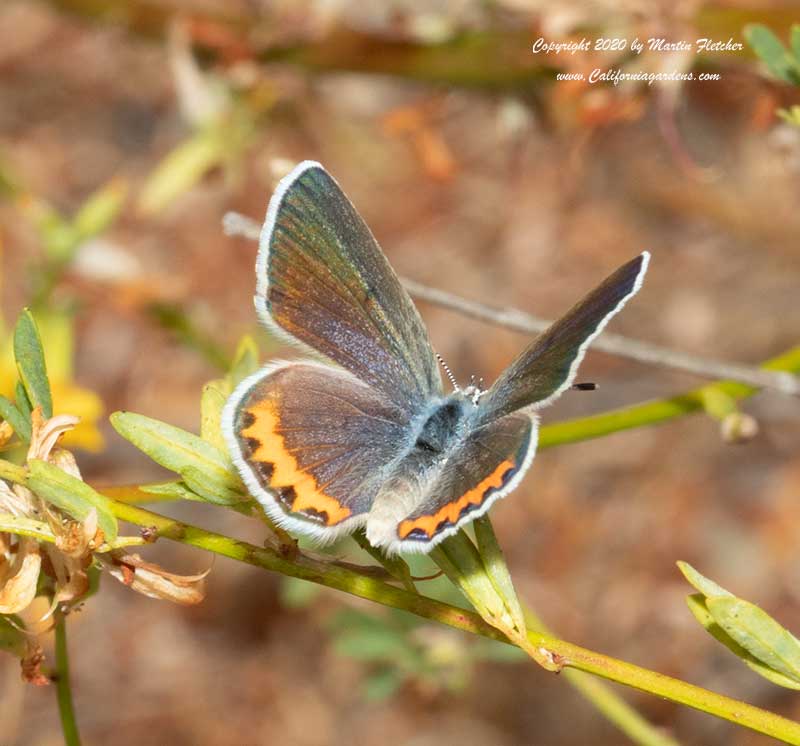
[(211, 488), (795, 43), (101, 209), (73, 496), (700, 582), (15, 418), (182, 169), (396, 566), (21, 401), (758, 633), (211, 403), (173, 448), (245, 361), (770, 50), (174, 490), (496, 568), (458, 557), (31, 364)]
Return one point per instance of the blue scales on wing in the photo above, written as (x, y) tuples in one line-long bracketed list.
[(323, 279)]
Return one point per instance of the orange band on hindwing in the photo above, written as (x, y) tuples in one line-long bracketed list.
[(296, 489), (451, 512)]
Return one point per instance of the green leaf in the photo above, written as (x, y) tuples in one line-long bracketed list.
[(717, 403), (396, 566), (245, 362), (758, 633), (496, 568), (175, 489), (175, 449), (31, 364), (212, 488), (770, 50), (697, 605), (184, 167), (700, 582), (72, 495), (458, 558), (15, 418), (100, 210), (766, 639), (795, 41), (211, 403), (21, 401)]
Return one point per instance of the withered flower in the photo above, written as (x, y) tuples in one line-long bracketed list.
[(68, 548)]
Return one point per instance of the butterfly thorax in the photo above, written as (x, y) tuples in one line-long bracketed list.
[(443, 425)]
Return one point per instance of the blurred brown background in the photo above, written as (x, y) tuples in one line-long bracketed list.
[(509, 189)]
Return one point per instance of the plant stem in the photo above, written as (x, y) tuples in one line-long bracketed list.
[(63, 690), (614, 708), (12, 472), (660, 410), (568, 654)]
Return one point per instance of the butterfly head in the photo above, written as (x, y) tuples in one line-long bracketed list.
[(475, 390)]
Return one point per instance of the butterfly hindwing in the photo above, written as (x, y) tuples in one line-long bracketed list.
[(323, 280), (486, 465), (549, 365), (312, 443)]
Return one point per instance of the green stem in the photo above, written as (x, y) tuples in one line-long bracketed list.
[(615, 709), (63, 690), (661, 410), (12, 472), (568, 655)]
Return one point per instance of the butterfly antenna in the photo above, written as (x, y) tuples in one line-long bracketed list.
[(448, 372)]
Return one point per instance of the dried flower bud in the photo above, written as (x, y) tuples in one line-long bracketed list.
[(738, 427), (18, 577), (154, 581)]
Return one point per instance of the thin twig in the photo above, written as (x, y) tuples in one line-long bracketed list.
[(613, 344), (63, 689)]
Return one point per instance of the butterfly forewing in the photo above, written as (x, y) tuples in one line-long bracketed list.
[(324, 280), (549, 365)]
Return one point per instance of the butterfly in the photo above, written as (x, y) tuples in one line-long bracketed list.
[(363, 435)]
